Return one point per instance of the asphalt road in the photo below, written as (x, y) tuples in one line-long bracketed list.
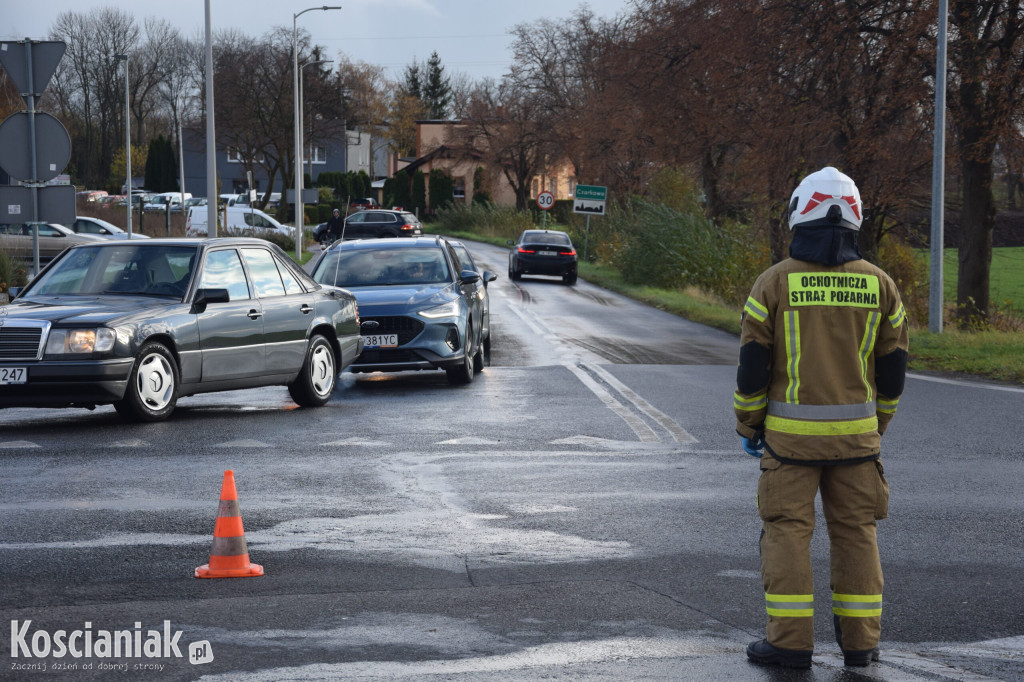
[(582, 510)]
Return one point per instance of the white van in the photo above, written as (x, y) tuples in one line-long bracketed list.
[(239, 220), (161, 202)]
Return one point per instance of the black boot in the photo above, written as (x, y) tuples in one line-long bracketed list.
[(860, 658), (764, 653), (857, 659)]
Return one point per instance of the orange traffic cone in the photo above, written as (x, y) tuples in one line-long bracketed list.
[(229, 557)]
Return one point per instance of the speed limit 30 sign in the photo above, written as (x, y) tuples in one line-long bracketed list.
[(545, 200)]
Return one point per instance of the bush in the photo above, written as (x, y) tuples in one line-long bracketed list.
[(484, 219), (13, 273), (282, 240), (671, 249), (910, 273)]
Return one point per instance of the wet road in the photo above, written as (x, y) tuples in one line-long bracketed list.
[(581, 510)]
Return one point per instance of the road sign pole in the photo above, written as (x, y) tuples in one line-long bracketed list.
[(33, 165), (586, 238)]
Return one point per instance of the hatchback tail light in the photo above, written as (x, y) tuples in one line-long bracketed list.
[(407, 226)]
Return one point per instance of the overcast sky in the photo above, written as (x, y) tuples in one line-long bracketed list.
[(470, 36)]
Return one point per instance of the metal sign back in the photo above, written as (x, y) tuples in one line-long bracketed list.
[(46, 55), (56, 204), (53, 146)]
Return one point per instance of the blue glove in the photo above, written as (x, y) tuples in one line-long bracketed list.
[(753, 447)]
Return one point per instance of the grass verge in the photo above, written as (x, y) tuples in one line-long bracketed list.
[(994, 355)]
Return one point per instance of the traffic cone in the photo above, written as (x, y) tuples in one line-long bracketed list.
[(229, 557)]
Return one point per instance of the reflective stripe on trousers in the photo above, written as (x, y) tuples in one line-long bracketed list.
[(857, 605), (789, 605)]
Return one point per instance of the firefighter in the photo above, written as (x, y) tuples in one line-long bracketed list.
[(823, 358)]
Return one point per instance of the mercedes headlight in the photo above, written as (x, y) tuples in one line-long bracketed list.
[(75, 341)]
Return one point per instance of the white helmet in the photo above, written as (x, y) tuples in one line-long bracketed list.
[(826, 197)]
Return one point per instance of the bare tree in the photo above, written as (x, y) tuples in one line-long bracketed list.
[(90, 88), (508, 126), (985, 58)]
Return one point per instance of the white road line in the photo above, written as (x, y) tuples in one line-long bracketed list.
[(678, 433), (960, 382), (644, 432)]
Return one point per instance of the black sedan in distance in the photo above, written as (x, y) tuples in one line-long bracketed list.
[(542, 252), (141, 324)]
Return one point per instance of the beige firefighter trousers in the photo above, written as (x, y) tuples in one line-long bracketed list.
[(853, 497)]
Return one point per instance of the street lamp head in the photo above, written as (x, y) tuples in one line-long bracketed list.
[(121, 57)]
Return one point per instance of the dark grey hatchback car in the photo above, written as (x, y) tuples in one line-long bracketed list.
[(141, 324)]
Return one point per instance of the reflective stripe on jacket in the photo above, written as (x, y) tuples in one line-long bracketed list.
[(819, 330)]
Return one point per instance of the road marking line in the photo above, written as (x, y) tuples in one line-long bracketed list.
[(678, 433), (960, 382), (468, 440), (644, 432), (243, 443)]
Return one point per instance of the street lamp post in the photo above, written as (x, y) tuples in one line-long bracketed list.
[(302, 110), (298, 142), (127, 145)]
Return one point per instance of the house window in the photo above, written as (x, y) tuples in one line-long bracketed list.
[(317, 155), (459, 188), (236, 156), (536, 188), (552, 185)]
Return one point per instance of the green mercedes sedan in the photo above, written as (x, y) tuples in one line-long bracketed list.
[(142, 324)]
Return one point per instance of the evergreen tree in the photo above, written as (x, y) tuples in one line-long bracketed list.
[(161, 174), (441, 189), (419, 192), (437, 89), (413, 77)]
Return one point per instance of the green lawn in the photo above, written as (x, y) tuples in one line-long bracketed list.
[(1006, 279)]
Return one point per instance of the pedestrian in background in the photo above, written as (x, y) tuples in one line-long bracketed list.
[(335, 226), (823, 357)]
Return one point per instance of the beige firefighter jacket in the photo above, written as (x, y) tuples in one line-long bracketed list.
[(817, 343)]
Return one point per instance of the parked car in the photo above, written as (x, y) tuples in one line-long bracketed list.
[(111, 200), (466, 261), (101, 228), (240, 220), (420, 308), (543, 252), (91, 196), (16, 240), (166, 201), (363, 204), (139, 199), (141, 324)]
